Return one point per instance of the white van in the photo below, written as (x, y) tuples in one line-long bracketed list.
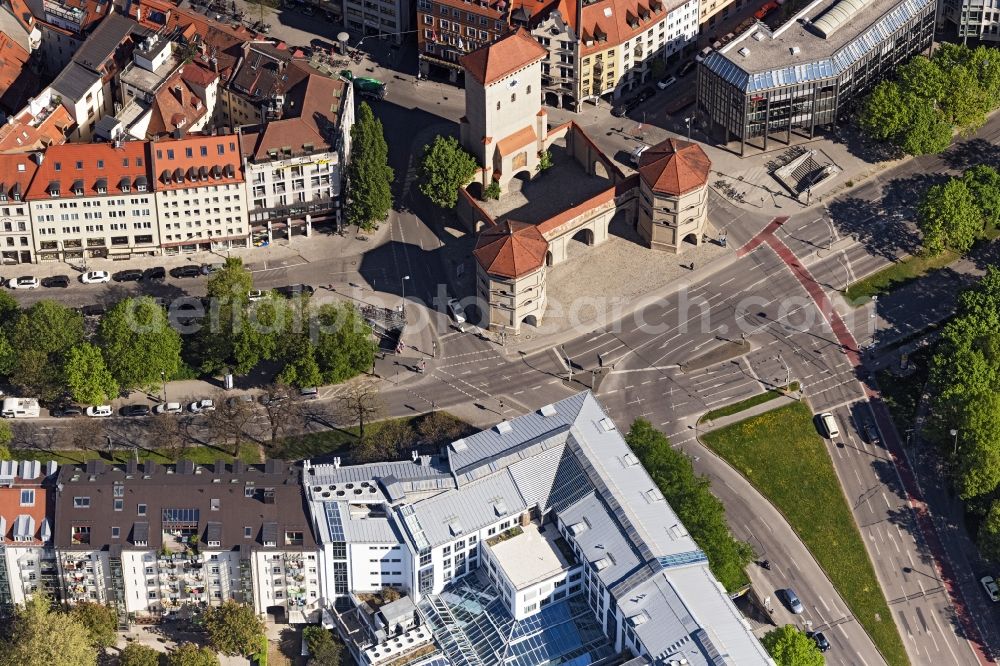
[(20, 408), (829, 424)]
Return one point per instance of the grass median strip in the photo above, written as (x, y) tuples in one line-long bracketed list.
[(896, 275), (781, 454), (752, 401)]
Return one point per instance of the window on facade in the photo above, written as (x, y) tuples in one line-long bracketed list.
[(119, 505), (116, 532), (293, 538), (141, 510), (81, 502), (27, 498)]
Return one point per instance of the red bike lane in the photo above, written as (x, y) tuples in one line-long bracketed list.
[(893, 442)]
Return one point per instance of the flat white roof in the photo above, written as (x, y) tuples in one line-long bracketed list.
[(530, 557)]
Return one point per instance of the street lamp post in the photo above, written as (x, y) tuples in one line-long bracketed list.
[(402, 284), (163, 384), (954, 433), (690, 123), (788, 372), (875, 317), (569, 362)]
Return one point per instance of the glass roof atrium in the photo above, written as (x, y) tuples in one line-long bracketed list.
[(471, 622)]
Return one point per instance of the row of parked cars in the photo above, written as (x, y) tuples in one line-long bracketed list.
[(155, 274), (197, 407)]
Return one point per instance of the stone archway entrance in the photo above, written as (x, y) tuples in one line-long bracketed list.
[(530, 320), (585, 236), (691, 239)]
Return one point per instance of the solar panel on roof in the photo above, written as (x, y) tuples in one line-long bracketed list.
[(334, 521), (181, 515)]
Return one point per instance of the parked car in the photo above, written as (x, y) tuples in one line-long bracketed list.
[(186, 271), (61, 281), (255, 295), (99, 410), (456, 310), (686, 67), (135, 410), (820, 639), (203, 405), (208, 269), (95, 277), (310, 393), (646, 93), (872, 433), (65, 412), (829, 423), (168, 408), (130, 275), (23, 282), (93, 310), (295, 290), (242, 398), (704, 54), (791, 600), (156, 273), (991, 588), (663, 84)]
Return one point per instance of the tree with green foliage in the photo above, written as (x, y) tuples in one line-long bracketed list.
[(139, 344), (9, 310), (369, 173), (446, 168), (928, 132), (691, 498), (789, 646), (137, 654), (44, 636), (491, 191), (344, 344), (949, 218), (229, 295), (189, 654), (324, 650), (101, 623), (301, 369), (87, 377), (988, 538), (260, 337), (43, 336), (965, 376), (983, 182), (233, 628)]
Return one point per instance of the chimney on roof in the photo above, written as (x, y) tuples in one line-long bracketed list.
[(414, 455), (39, 156), (336, 462), (220, 466)]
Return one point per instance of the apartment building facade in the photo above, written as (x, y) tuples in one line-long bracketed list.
[(149, 539), (448, 29), (27, 557), (94, 200), (200, 193), (388, 18), (16, 238), (295, 164)]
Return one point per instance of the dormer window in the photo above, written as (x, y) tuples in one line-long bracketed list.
[(141, 187)]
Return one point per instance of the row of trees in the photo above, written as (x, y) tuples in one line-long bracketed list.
[(45, 349), (692, 500), (965, 378), (369, 174), (933, 97), (955, 214), (43, 634), (790, 646)]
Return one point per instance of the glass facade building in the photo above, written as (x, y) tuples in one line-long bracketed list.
[(809, 71)]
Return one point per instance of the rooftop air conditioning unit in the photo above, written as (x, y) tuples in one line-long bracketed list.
[(744, 52)]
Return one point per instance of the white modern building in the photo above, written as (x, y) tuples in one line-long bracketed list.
[(540, 540), (150, 540)]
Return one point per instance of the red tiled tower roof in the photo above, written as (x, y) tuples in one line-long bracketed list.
[(674, 167), (511, 249), (494, 61)]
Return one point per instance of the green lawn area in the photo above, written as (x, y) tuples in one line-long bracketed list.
[(896, 275), (902, 394), (783, 456), (744, 405)]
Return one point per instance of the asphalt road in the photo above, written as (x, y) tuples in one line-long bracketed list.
[(758, 295)]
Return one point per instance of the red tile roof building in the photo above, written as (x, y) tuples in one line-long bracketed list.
[(16, 239), (673, 188), (200, 193), (18, 82), (27, 510), (95, 199)]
